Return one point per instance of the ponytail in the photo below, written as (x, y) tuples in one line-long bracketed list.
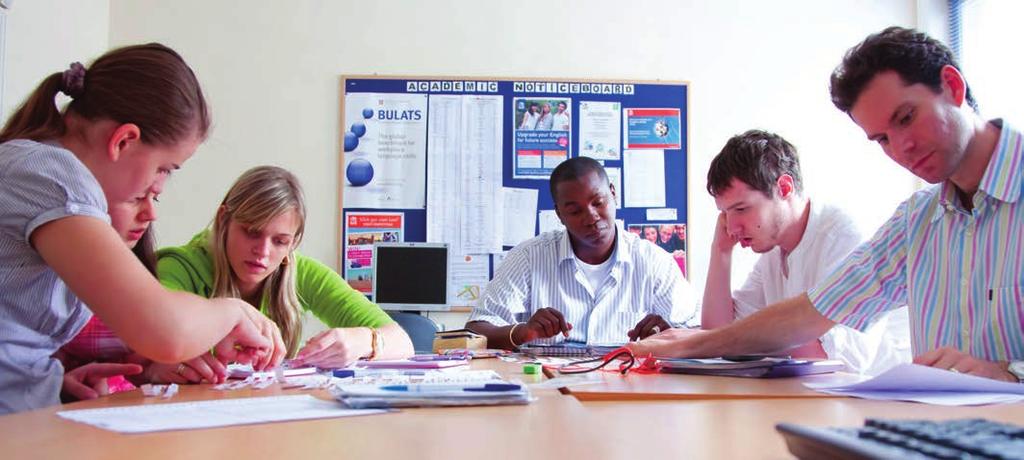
[(148, 85), (37, 118)]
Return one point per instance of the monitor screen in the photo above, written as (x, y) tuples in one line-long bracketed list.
[(410, 276)]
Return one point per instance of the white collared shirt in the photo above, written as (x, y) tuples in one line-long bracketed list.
[(830, 235), (542, 273)]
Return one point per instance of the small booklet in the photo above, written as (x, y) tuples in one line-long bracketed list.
[(757, 368), (496, 392), (568, 349)]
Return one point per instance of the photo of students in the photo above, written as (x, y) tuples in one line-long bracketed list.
[(249, 253)]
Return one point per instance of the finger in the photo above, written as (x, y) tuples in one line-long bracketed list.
[(280, 351), (203, 369), (220, 371), (322, 348), (563, 327), (78, 389), (103, 370), (276, 353), (929, 358), (947, 361), (317, 344), (189, 375), (548, 324)]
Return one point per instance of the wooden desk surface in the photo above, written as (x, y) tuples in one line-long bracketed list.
[(634, 386), (553, 426)]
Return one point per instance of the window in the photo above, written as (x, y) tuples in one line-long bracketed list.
[(991, 34)]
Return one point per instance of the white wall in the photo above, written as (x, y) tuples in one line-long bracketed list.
[(271, 71), (45, 36)]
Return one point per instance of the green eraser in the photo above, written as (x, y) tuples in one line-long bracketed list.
[(531, 368)]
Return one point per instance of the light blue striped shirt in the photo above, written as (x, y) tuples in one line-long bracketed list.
[(542, 272), (960, 272), (39, 183)]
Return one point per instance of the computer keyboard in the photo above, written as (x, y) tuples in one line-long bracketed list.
[(907, 439)]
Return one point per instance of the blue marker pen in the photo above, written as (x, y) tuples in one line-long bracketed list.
[(448, 387)]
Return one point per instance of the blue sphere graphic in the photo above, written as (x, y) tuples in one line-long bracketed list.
[(359, 172), (367, 113), (351, 142), (359, 129)]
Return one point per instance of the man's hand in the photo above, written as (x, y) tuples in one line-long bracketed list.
[(958, 361), (673, 343), (546, 322), (650, 325), (723, 242), (90, 381)]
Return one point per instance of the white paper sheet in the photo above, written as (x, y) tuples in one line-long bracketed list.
[(600, 129), (209, 414), (547, 221), (644, 172), (519, 203), (482, 213), (615, 178), (444, 179), (467, 276), (662, 214), (464, 207), (385, 148), (912, 382)]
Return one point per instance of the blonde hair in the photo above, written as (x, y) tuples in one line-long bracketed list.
[(257, 197)]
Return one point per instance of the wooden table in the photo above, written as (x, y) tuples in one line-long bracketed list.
[(554, 426)]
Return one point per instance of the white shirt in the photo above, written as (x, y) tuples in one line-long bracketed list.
[(596, 274), (530, 121), (830, 235), (542, 273), (560, 122)]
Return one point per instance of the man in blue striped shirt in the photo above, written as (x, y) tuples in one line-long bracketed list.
[(590, 283), (953, 252)]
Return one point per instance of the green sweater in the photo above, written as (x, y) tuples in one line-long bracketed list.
[(320, 290)]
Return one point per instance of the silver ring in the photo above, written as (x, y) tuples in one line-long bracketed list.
[(180, 369), (655, 330)]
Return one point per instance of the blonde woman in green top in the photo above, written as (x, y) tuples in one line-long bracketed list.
[(250, 254)]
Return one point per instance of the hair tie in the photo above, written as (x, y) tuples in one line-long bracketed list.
[(72, 82)]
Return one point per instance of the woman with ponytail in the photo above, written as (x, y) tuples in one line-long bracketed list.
[(136, 114)]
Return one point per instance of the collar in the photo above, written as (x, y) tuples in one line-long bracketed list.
[(620, 253), (1002, 179), (811, 229)]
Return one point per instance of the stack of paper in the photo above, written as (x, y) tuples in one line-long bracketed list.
[(497, 392), (912, 382), (764, 367)]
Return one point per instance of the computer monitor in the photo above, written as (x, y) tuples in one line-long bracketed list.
[(411, 276)]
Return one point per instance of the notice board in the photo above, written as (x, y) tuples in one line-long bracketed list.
[(466, 161)]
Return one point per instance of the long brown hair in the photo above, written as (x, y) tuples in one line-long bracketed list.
[(148, 85), (257, 197)]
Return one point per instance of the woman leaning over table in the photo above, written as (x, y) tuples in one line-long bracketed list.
[(250, 254)]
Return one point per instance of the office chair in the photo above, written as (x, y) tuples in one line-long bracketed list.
[(420, 329)]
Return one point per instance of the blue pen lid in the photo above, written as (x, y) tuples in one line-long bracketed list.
[(342, 373)]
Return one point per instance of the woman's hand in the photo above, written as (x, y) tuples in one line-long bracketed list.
[(90, 381), (338, 347)]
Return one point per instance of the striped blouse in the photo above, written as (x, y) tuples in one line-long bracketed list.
[(542, 273), (959, 271)]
